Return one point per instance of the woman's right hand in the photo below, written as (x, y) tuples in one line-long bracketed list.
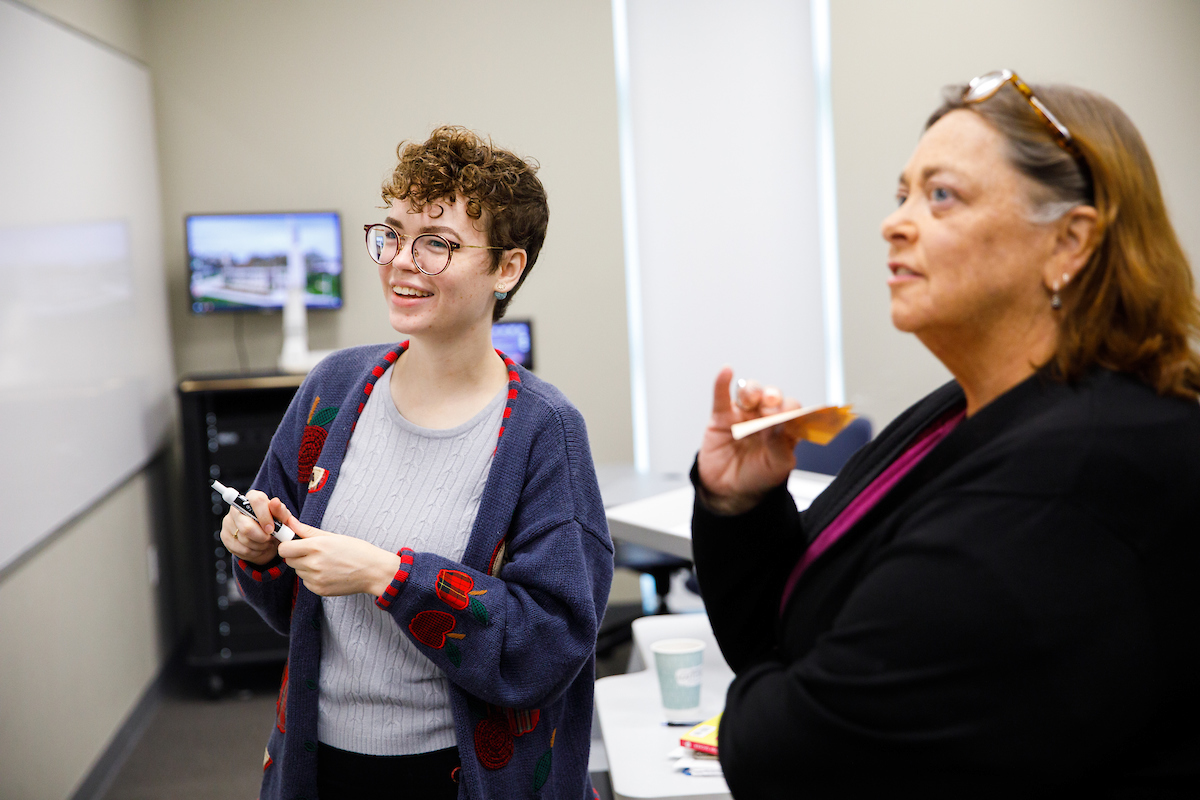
[(247, 540), (736, 474)]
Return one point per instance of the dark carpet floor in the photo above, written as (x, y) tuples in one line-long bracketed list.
[(198, 746)]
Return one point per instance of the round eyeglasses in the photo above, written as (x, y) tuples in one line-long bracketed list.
[(431, 252)]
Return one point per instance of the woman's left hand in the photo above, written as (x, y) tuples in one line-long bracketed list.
[(736, 474), (331, 564)]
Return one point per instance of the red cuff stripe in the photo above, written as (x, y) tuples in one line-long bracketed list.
[(406, 559), (384, 601), (377, 371)]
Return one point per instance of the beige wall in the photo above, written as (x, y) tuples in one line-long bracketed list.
[(273, 105), (79, 627), (890, 60), (116, 23)]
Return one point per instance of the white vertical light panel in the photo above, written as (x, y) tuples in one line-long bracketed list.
[(719, 148), (835, 376)]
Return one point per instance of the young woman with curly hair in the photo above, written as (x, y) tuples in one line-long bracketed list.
[(453, 559)]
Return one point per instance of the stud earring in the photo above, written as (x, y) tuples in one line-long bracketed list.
[(500, 295)]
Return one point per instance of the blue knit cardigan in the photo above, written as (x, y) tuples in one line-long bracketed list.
[(513, 626)]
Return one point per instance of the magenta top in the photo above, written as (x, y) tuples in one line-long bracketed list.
[(869, 496)]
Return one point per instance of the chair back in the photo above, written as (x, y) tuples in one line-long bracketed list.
[(829, 458)]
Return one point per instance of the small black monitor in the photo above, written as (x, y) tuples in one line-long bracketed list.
[(514, 337), (239, 262)]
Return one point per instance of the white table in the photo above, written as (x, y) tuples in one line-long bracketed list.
[(656, 511), (663, 521), (629, 707)]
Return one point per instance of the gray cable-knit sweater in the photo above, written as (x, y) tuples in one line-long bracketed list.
[(512, 625), (401, 485)]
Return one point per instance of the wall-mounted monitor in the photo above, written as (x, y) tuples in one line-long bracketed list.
[(241, 262), (514, 337)]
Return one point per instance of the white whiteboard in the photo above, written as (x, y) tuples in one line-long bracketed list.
[(86, 379), (720, 171)]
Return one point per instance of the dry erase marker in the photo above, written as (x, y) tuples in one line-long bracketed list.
[(282, 532)]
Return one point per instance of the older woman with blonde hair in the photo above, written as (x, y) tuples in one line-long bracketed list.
[(999, 595)]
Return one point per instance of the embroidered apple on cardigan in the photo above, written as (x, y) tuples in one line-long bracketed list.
[(317, 482), (497, 730), (312, 441), (281, 703), (432, 628), (455, 589), (493, 743)]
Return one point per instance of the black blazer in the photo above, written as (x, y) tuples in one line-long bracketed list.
[(1020, 612)]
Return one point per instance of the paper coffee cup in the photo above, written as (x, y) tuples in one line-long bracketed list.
[(679, 663)]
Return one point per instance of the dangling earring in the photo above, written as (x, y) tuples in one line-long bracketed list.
[(500, 295), (1055, 299)]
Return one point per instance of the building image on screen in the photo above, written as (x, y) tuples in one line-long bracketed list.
[(241, 261), (514, 338)]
